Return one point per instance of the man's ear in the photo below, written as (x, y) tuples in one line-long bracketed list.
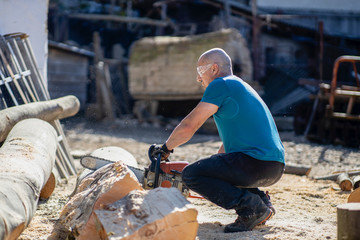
[(215, 69)]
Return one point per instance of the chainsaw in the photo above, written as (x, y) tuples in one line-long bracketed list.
[(160, 173)]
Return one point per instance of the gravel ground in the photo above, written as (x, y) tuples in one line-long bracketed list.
[(306, 208)]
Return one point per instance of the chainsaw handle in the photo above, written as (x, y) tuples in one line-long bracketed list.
[(152, 158), (157, 171), (155, 163)]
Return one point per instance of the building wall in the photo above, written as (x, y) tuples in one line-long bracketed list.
[(30, 17)]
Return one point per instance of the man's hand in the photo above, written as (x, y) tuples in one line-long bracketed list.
[(163, 150)]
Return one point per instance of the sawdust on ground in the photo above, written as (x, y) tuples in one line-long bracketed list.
[(306, 208)]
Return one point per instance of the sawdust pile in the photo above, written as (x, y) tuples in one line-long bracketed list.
[(306, 209)]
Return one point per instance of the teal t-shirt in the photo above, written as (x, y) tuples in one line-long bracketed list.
[(244, 122)]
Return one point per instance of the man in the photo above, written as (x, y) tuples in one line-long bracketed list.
[(251, 154)]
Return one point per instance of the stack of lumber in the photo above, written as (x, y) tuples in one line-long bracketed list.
[(164, 68), (28, 159), (109, 203)]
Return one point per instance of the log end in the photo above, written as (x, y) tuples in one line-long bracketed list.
[(354, 196), (346, 185), (49, 187)]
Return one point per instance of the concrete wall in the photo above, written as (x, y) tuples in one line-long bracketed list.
[(30, 17)]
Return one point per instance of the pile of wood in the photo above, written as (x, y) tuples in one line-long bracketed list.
[(110, 203), (164, 68), (28, 159)]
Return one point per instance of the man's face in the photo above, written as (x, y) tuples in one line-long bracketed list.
[(204, 75)]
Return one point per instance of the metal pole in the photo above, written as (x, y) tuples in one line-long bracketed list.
[(255, 39), (19, 68), (321, 52), (22, 95)]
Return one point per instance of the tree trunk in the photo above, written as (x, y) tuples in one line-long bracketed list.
[(161, 213), (47, 110), (26, 159), (348, 220), (102, 187)]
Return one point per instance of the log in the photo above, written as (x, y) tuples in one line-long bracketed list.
[(111, 153), (354, 196), (102, 187), (356, 181), (345, 182), (161, 213), (336, 175), (46, 110), (348, 221), (297, 169), (26, 158)]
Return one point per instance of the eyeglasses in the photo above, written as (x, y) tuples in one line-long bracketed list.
[(202, 69)]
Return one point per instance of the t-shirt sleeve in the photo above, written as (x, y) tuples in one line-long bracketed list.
[(214, 93)]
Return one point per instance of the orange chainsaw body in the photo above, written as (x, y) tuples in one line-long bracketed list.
[(173, 167)]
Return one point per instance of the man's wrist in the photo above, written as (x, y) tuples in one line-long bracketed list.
[(165, 149)]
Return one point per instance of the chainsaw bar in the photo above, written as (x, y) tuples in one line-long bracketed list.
[(94, 163)]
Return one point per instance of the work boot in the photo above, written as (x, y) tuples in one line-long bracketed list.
[(266, 200), (265, 197), (248, 222)]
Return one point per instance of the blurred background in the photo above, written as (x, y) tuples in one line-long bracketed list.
[(138, 58)]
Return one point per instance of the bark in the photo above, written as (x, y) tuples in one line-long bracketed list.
[(46, 110), (161, 213), (348, 220), (26, 158), (104, 186)]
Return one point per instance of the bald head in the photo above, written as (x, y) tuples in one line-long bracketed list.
[(218, 56)]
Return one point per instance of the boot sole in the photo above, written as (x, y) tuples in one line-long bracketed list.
[(261, 220), (272, 215)]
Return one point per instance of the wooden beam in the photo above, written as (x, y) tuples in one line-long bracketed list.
[(115, 18)]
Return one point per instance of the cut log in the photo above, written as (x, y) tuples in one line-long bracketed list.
[(47, 110), (26, 158), (354, 196), (345, 182), (113, 154), (297, 169), (161, 213), (356, 181), (348, 221), (102, 187)]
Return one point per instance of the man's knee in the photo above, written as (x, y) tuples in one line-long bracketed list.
[(187, 174)]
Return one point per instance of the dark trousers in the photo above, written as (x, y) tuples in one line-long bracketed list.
[(231, 180)]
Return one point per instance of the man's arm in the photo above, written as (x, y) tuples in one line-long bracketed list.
[(221, 149), (190, 124)]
